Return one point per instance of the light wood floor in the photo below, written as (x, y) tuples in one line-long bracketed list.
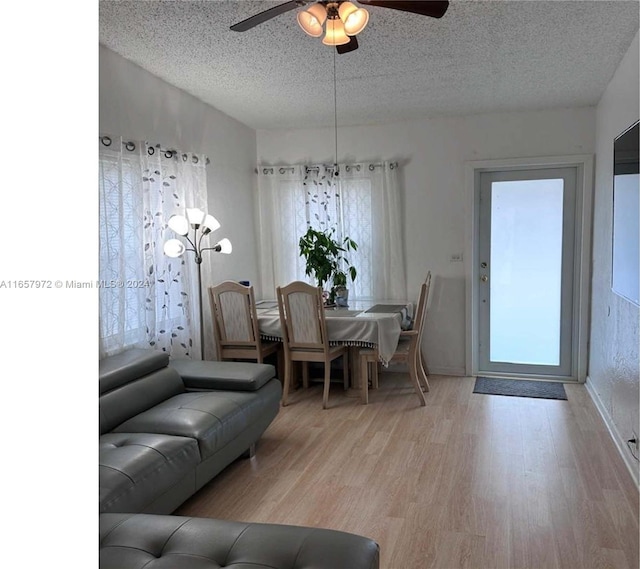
[(470, 480)]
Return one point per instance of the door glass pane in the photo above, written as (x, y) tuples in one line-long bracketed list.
[(526, 271)]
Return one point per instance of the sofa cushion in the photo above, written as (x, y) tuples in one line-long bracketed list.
[(136, 468), (126, 401), (235, 376), (178, 542), (213, 418), (127, 366)]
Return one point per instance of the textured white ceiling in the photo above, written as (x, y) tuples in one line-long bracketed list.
[(482, 56)]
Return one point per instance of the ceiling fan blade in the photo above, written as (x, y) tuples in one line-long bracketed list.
[(267, 15), (347, 47), (433, 8)]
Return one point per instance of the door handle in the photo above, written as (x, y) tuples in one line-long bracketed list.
[(484, 278)]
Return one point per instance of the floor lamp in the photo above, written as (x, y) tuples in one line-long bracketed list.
[(201, 224)]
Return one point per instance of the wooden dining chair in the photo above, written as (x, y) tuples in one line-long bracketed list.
[(233, 309), (409, 351), (304, 335)]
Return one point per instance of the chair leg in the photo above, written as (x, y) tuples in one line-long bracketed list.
[(288, 365), (374, 376), (424, 363), (345, 371), (327, 382), (280, 362), (364, 379), (305, 375), (414, 375), (422, 372)]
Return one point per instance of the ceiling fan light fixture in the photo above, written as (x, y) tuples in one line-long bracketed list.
[(335, 33), (311, 20), (355, 19)]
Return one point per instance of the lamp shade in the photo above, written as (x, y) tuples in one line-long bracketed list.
[(174, 248), (311, 20), (195, 216), (179, 224), (355, 19), (210, 224), (335, 33), (224, 246)]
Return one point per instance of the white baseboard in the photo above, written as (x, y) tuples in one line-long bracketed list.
[(621, 445), (455, 371)]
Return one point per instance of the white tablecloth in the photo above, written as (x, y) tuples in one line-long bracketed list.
[(348, 327)]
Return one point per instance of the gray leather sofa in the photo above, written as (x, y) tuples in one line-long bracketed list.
[(136, 541), (168, 429)]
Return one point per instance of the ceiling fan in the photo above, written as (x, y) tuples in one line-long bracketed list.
[(344, 20)]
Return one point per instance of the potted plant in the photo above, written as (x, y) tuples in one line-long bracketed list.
[(325, 260)]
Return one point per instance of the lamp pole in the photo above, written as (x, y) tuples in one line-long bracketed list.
[(199, 267), (197, 220)]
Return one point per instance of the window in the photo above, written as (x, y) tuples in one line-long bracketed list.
[(361, 202), (121, 308), (145, 297)]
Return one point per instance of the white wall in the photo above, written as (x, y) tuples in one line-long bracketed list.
[(614, 371), (433, 153), (138, 105)]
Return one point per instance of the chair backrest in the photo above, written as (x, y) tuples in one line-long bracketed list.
[(233, 309), (302, 316), (421, 311)]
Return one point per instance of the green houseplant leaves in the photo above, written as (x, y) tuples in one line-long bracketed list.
[(325, 260)]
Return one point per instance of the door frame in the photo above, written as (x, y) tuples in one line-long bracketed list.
[(582, 254)]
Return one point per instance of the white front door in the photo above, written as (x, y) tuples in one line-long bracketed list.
[(524, 272)]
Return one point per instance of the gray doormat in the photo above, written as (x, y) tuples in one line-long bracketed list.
[(520, 388)]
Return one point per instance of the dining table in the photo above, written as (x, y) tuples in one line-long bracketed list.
[(362, 324)]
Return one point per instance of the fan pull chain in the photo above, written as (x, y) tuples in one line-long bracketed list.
[(335, 112)]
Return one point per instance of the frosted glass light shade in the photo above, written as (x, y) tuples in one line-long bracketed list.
[(311, 20), (335, 33), (355, 19), (195, 216), (174, 248), (225, 246), (210, 224), (179, 224)]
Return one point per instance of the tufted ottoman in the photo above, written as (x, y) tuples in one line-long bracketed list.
[(132, 541)]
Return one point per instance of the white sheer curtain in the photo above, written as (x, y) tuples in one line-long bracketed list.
[(146, 298), (361, 202)]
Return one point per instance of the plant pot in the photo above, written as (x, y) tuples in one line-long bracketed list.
[(342, 296)]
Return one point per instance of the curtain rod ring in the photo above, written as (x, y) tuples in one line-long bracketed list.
[(105, 140), (130, 146), (151, 151)]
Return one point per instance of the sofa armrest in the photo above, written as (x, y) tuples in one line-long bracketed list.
[(227, 376)]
